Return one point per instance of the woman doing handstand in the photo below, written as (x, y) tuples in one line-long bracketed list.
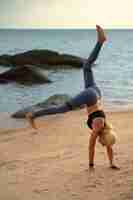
[(91, 98)]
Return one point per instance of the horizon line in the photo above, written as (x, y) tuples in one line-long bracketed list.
[(62, 28)]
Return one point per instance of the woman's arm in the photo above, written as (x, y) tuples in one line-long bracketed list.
[(91, 148), (110, 154)]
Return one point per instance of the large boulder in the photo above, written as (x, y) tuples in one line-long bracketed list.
[(54, 100), (24, 75), (43, 57)]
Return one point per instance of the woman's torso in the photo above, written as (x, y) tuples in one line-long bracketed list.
[(96, 107)]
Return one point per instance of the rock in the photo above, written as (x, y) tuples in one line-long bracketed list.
[(3, 81), (57, 99), (5, 60), (24, 75), (43, 57)]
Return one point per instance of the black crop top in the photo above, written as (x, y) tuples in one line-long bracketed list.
[(98, 113)]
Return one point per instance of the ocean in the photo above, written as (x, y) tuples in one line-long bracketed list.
[(113, 70)]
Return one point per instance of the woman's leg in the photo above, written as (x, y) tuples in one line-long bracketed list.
[(30, 116), (87, 66), (91, 93), (52, 110), (88, 96)]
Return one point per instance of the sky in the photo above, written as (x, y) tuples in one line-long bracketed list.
[(66, 13)]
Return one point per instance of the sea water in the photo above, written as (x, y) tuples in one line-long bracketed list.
[(113, 70)]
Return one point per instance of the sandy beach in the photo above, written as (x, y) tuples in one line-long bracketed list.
[(52, 164)]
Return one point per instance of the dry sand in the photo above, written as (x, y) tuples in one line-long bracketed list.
[(53, 163)]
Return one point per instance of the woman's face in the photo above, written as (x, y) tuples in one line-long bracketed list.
[(98, 124)]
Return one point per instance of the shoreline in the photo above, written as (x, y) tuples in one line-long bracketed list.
[(7, 122)]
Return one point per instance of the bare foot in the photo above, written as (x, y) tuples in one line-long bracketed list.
[(100, 34), (115, 167), (30, 119)]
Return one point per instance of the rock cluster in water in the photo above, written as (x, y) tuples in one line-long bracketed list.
[(41, 57), (36, 59), (29, 68)]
